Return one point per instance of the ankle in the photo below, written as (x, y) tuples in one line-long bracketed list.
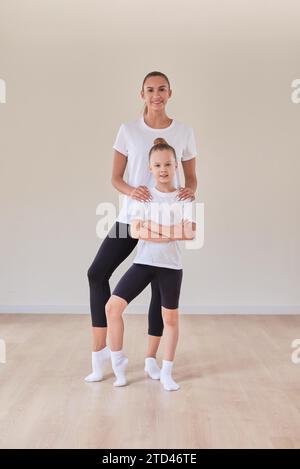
[(98, 347)]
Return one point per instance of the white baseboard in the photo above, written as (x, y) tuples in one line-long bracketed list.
[(143, 309)]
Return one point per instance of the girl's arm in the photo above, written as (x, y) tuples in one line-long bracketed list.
[(138, 231), (183, 231)]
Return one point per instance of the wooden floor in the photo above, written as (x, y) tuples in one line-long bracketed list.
[(239, 387)]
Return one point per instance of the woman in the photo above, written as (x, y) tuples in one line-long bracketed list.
[(132, 146)]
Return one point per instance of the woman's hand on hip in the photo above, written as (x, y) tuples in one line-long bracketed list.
[(185, 193), (141, 193)]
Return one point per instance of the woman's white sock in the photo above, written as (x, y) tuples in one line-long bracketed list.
[(119, 364), (152, 368), (99, 360), (166, 376)]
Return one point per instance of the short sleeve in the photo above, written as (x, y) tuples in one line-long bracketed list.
[(189, 211), (136, 211), (190, 148), (120, 142)]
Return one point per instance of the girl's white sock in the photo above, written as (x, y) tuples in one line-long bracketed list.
[(152, 368), (119, 364), (99, 360), (166, 377)]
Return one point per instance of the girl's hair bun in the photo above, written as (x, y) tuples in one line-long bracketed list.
[(159, 141)]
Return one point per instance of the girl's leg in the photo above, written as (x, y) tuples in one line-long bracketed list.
[(114, 309), (114, 249), (132, 283), (112, 252)]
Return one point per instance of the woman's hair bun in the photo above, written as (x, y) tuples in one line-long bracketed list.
[(159, 140)]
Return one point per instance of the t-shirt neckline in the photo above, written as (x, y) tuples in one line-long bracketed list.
[(146, 126), (164, 194)]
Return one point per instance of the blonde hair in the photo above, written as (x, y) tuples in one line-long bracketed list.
[(161, 144)]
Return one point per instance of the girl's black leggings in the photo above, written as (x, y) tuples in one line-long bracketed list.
[(114, 249)]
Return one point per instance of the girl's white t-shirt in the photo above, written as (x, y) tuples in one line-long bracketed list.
[(166, 210), (135, 139)]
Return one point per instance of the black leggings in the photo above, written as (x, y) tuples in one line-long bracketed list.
[(114, 249), (138, 276)]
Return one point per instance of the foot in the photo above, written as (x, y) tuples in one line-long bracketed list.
[(152, 368), (119, 365), (168, 383), (166, 376), (99, 360)]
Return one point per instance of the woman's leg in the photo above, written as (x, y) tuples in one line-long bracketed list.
[(155, 321), (170, 317), (171, 332), (170, 285), (155, 331)]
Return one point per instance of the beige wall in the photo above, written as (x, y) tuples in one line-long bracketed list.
[(73, 71)]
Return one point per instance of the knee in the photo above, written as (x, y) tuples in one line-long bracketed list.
[(113, 308), (96, 273), (170, 318), (110, 309)]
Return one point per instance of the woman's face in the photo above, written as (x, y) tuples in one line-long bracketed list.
[(156, 93), (163, 165)]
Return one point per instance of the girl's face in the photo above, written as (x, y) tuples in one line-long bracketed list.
[(163, 166), (156, 93)]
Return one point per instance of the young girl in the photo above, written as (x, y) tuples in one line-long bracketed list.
[(131, 149), (158, 225)]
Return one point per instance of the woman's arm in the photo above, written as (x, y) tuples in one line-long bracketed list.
[(117, 179), (190, 180), (119, 166)]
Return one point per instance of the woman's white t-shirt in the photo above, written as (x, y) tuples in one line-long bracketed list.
[(166, 210), (135, 139)]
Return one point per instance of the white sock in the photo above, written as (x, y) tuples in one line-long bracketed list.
[(119, 364), (152, 368), (99, 360), (166, 376)]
